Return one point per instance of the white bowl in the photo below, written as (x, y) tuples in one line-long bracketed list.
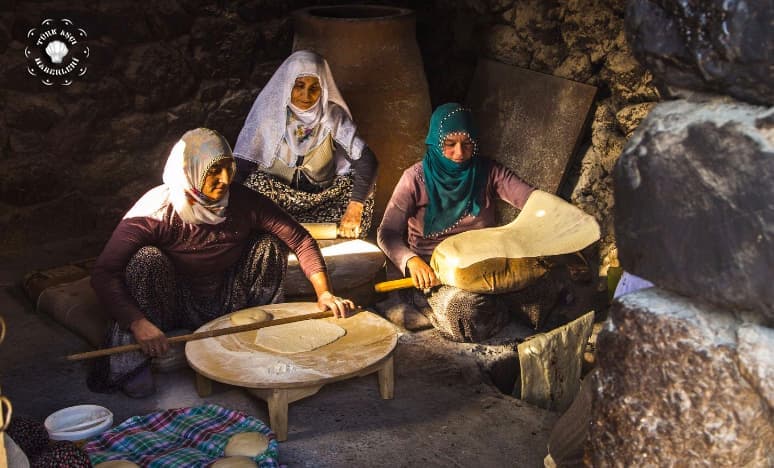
[(78, 422)]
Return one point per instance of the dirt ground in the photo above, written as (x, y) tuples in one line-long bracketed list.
[(446, 410)]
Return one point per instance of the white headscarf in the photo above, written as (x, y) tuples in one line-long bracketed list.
[(267, 123), (184, 175)]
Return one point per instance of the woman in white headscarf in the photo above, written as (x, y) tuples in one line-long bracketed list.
[(191, 250), (300, 147)]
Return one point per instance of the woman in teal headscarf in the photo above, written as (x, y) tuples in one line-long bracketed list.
[(452, 190)]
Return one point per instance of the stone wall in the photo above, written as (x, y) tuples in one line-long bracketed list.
[(685, 367), (76, 157)]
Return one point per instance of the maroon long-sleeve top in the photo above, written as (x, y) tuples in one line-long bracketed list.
[(196, 250), (401, 233)]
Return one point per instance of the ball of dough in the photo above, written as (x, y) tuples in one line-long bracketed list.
[(248, 316), (117, 464), (247, 444), (234, 462)]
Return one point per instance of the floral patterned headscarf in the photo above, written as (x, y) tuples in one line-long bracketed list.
[(184, 174)]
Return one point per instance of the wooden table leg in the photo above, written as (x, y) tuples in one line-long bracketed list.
[(203, 385), (278, 400), (278, 413), (386, 377)]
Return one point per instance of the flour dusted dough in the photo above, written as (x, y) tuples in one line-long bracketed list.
[(248, 316), (298, 337), (507, 258), (234, 462), (246, 444), (547, 225), (117, 464)]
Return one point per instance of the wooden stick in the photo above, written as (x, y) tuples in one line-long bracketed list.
[(322, 231), (202, 335), (394, 285)]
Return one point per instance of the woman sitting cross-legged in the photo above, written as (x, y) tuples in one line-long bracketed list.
[(300, 147), (452, 190), (191, 250)]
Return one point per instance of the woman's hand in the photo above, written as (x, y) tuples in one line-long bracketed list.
[(152, 340), (421, 273), (340, 307), (350, 222)]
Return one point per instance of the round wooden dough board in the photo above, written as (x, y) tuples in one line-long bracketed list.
[(236, 360)]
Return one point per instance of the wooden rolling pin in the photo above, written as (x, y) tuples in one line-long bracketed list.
[(322, 231), (394, 285), (202, 335)]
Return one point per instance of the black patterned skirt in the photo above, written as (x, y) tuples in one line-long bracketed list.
[(326, 206)]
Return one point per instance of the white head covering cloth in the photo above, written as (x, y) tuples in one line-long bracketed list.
[(266, 124), (184, 175)]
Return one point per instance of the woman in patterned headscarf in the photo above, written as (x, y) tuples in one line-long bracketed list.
[(452, 190), (300, 147), (191, 250)]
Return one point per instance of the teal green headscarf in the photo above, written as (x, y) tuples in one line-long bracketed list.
[(452, 188)]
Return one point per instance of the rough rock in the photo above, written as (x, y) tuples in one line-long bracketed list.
[(670, 388), (629, 81), (756, 359), (37, 112), (167, 19), (72, 213), (717, 45), (693, 202), (630, 117), (592, 26), (52, 176), (229, 116), (230, 56), (5, 34), (184, 117), (160, 75), (135, 131)]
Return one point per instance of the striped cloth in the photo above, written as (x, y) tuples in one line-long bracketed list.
[(184, 437)]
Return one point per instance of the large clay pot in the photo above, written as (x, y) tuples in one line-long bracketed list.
[(375, 60)]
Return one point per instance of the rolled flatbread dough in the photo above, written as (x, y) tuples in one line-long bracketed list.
[(298, 337), (234, 462), (248, 316), (117, 464), (246, 444), (547, 225)]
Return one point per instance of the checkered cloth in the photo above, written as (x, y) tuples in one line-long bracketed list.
[(190, 437)]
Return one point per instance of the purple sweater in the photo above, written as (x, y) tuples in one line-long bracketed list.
[(196, 250), (401, 236)]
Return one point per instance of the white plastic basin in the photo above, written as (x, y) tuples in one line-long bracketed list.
[(78, 422)]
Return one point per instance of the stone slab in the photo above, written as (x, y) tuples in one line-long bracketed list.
[(693, 211), (530, 122), (672, 387)]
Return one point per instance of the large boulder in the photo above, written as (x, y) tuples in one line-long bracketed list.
[(693, 209), (717, 45), (681, 381)]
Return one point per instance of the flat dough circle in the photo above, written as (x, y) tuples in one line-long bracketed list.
[(246, 444), (248, 316), (117, 464), (298, 337), (234, 462)]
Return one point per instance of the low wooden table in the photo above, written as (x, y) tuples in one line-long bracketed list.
[(280, 379)]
